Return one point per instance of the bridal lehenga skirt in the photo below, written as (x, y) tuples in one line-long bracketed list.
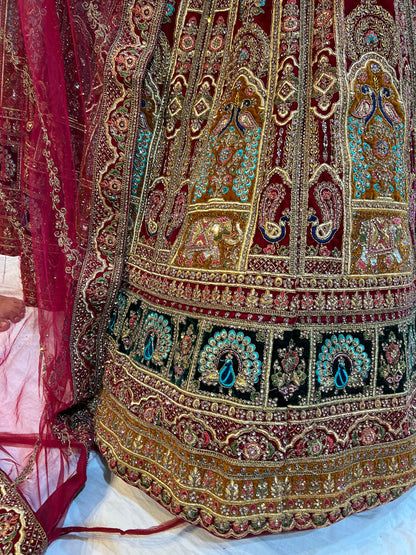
[(253, 234)]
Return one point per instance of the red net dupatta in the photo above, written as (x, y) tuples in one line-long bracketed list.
[(51, 63)]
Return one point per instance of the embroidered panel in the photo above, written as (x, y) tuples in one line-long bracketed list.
[(20, 532), (260, 373), (16, 104), (126, 62)]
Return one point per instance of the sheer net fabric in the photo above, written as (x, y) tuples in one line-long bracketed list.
[(52, 56)]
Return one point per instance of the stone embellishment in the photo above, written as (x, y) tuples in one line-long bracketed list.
[(370, 28), (289, 370), (393, 366), (230, 359), (261, 378), (20, 532), (376, 131), (341, 362), (157, 338)]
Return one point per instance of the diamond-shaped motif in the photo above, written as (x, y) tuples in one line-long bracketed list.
[(324, 82), (174, 107), (286, 90), (201, 107)]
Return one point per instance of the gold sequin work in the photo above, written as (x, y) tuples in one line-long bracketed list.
[(261, 357)]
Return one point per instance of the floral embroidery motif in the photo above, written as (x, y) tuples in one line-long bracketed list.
[(11, 528), (250, 50), (289, 370), (368, 433), (370, 28), (183, 355), (128, 330), (392, 362), (20, 532)]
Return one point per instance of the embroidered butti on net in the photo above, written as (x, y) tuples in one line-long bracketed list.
[(51, 64), (252, 249)]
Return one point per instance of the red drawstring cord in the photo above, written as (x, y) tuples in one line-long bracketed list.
[(133, 532)]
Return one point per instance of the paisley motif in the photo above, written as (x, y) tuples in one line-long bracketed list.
[(328, 198), (272, 198), (155, 205)]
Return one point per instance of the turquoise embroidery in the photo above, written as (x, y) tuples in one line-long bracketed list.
[(149, 349), (140, 158), (244, 161), (341, 362), (227, 374), (157, 338), (341, 377), (376, 133), (231, 360), (362, 172), (118, 309)]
